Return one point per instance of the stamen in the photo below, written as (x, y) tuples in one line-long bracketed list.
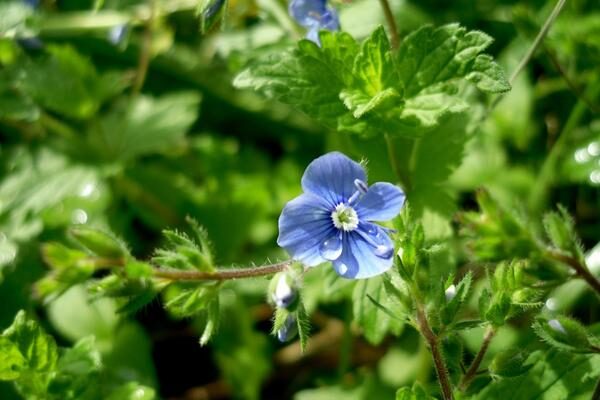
[(344, 217), (362, 189)]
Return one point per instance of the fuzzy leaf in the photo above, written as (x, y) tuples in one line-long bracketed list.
[(370, 301), (553, 375)]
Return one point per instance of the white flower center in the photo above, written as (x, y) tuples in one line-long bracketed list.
[(344, 217)]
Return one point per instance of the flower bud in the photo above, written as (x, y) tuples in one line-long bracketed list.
[(284, 291), (289, 329), (450, 292)]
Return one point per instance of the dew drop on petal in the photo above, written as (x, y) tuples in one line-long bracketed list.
[(342, 269), (331, 248), (384, 251)]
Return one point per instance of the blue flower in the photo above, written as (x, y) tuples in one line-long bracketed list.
[(331, 220), (315, 16)]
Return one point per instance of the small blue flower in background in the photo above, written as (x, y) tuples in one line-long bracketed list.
[(315, 16), (331, 220)]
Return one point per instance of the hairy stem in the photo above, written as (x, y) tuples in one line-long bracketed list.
[(472, 371), (532, 49), (581, 270), (538, 40), (391, 22), (438, 359), (145, 51), (221, 274)]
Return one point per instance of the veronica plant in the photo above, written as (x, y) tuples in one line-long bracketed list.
[(413, 103)]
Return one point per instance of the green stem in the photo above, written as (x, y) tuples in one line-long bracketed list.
[(221, 274), (472, 371), (538, 40), (145, 51), (438, 358), (581, 270), (391, 22), (532, 49), (548, 170), (403, 177)]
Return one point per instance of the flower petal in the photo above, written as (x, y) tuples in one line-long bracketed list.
[(305, 223), (368, 251), (307, 12), (332, 176), (382, 202)]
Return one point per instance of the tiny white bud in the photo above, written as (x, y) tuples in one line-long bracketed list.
[(450, 293)]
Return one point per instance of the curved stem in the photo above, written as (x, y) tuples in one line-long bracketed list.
[(391, 21), (438, 358), (222, 274), (472, 371), (581, 270)]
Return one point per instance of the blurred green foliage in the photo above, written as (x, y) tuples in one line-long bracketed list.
[(137, 133)]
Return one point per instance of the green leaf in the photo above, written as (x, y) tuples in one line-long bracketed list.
[(212, 321), (76, 370), (37, 347), (188, 302), (560, 228), (145, 125), (12, 361), (66, 82), (309, 78), (553, 375), (564, 334), (452, 307), (414, 393), (303, 322), (184, 252), (98, 242), (367, 298), (434, 59), (401, 94), (445, 144), (375, 86), (241, 352), (509, 363)]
